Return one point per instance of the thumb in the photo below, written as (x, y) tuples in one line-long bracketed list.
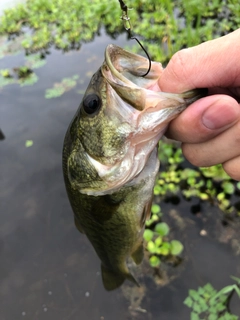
[(204, 119)]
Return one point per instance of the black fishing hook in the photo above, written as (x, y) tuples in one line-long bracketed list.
[(127, 26)]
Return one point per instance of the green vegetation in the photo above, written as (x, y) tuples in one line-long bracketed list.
[(158, 244), (28, 143), (23, 75), (208, 304), (66, 24), (176, 180), (59, 88), (207, 184), (165, 26)]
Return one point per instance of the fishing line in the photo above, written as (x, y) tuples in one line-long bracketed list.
[(127, 26)]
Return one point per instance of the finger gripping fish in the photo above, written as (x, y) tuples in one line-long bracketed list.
[(110, 157)]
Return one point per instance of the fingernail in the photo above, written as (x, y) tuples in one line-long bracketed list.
[(219, 115)]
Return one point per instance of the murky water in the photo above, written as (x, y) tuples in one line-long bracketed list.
[(47, 269)]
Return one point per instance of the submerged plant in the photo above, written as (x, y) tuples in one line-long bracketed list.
[(35, 61), (28, 80), (208, 304), (23, 76), (59, 88)]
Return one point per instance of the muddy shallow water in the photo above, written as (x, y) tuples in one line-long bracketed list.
[(48, 270)]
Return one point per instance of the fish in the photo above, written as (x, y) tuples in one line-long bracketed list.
[(110, 157)]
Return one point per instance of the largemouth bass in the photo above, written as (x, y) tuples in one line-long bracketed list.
[(110, 157)]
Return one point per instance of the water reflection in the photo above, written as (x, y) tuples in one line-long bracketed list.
[(50, 271)]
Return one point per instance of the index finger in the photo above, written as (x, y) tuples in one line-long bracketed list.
[(214, 63)]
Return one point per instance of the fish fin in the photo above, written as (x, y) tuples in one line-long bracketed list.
[(138, 254), (146, 212), (78, 225), (112, 280), (132, 279)]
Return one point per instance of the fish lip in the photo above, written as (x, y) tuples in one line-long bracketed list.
[(112, 50), (122, 70), (115, 55)]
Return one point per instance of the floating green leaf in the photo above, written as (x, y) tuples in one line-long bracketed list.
[(188, 302), (155, 209), (5, 73), (158, 241), (35, 61), (151, 247), (206, 303), (59, 88), (148, 234), (176, 247), (162, 228), (194, 316), (165, 248), (28, 143), (154, 261), (4, 81), (28, 81), (228, 187), (193, 294)]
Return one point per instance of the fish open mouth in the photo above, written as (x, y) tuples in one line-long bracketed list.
[(123, 71), (149, 108), (126, 66)]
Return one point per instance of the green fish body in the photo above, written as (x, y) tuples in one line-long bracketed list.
[(110, 157)]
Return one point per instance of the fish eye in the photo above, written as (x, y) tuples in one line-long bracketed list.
[(91, 103)]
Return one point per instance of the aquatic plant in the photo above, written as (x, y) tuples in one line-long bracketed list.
[(175, 181), (23, 76), (208, 304), (35, 61), (157, 240), (207, 184), (6, 77), (66, 24), (165, 26), (59, 88), (28, 143)]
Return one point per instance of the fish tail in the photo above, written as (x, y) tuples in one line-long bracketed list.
[(112, 280)]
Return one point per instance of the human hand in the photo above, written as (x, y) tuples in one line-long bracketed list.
[(210, 127)]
